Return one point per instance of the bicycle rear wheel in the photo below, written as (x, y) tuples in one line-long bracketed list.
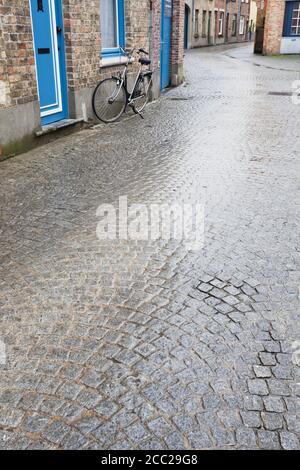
[(109, 100), (142, 93)]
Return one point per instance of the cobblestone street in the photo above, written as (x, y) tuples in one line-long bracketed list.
[(145, 345)]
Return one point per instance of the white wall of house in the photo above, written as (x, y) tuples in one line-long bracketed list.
[(290, 45)]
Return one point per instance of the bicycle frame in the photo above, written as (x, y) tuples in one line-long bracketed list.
[(123, 77)]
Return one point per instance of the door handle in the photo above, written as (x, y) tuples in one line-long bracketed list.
[(58, 29)]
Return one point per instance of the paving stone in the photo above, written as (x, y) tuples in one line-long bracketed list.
[(224, 308), (106, 408), (282, 372), (160, 427), (137, 432), (232, 290), (74, 441), (56, 431), (272, 346), (289, 441), (231, 300), (262, 371), (274, 404), (175, 441), (246, 438), (272, 421), (251, 419), (205, 287), (88, 424), (222, 437), (34, 423), (258, 387), (267, 359), (268, 440), (279, 387), (211, 401), (200, 440)]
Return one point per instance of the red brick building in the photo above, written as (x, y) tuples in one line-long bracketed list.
[(53, 53), (279, 24)]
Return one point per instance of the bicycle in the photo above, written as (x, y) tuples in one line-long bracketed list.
[(111, 96)]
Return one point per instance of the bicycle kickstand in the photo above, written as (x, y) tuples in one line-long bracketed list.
[(137, 112)]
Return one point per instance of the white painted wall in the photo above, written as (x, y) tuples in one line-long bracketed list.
[(290, 45)]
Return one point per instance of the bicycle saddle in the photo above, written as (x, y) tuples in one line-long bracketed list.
[(145, 61)]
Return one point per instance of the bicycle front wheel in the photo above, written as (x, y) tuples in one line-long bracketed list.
[(109, 100)]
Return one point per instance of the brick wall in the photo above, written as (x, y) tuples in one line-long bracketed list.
[(137, 23), (261, 13), (273, 26), (82, 42), (17, 66), (155, 6), (177, 31)]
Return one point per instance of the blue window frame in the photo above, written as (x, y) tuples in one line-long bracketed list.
[(112, 19), (291, 25)]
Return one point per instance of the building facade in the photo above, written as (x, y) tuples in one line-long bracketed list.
[(213, 22), (279, 22), (53, 53)]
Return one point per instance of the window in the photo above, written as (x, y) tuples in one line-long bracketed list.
[(112, 26), (292, 19), (234, 25), (196, 23), (295, 28), (221, 23), (242, 25), (204, 23)]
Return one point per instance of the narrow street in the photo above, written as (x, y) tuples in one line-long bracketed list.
[(144, 344)]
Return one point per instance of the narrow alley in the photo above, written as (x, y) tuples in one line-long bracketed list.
[(144, 344)]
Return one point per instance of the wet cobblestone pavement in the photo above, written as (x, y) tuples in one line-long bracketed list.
[(144, 344)]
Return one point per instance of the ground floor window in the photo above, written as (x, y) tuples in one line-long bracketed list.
[(234, 25), (242, 25), (221, 23), (292, 19), (204, 23), (196, 23), (112, 26)]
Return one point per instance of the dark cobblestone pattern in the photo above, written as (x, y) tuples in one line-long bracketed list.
[(145, 345)]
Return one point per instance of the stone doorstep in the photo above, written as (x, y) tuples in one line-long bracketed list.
[(56, 126)]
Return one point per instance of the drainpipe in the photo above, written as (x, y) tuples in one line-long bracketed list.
[(151, 37), (193, 22), (226, 25)]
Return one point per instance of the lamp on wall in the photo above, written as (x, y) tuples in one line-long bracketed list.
[(40, 6)]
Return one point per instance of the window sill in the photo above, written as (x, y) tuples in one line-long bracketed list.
[(114, 60)]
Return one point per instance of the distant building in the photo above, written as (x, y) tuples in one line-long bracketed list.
[(213, 22), (278, 24), (252, 19)]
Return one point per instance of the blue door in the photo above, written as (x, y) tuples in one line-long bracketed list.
[(47, 25), (165, 39), (186, 27)]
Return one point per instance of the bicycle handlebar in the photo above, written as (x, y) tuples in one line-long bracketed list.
[(131, 51)]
